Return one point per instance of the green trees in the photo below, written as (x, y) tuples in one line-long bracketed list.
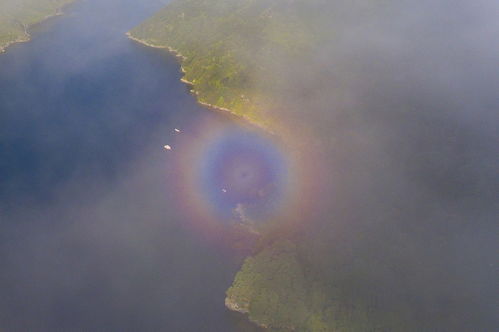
[(272, 288), (282, 290), (240, 54), (16, 16), (230, 48)]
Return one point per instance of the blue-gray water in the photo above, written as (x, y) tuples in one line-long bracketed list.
[(88, 239)]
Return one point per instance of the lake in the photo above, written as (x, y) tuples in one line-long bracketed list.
[(91, 237)]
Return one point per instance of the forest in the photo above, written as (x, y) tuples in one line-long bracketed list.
[(17, 16), (362, 88)]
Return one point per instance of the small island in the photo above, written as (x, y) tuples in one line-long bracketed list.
[(17, 16)]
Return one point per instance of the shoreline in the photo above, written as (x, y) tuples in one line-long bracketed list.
[(23, 39), (230, 304), (169, 49), (241, 118), (27, 36), (235, 307)]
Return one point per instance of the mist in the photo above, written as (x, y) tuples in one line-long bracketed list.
[(404, 110), (91, 235), (400, 105)]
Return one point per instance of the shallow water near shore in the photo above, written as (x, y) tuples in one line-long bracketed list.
[(91, 238)]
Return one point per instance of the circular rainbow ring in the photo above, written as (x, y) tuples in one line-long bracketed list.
[(228, 175)]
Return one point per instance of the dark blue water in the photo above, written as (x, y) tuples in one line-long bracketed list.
[(89, 239)]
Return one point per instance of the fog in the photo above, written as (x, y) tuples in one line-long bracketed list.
[(401, 105), (405, 111), (91, 235)]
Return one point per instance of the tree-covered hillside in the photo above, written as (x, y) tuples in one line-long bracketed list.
[(378, 90), (16, 16), (279, 290), (224, 42)]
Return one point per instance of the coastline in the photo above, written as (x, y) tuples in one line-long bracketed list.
[(244, 310), (23, 39), (170, 49), (234, 306), (230, 303), (27, 36), (241, 118)]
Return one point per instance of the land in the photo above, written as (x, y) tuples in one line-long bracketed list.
[(233, 54), (17, 16), (230, 52), (278, 290), (258, 59), (221, 47)]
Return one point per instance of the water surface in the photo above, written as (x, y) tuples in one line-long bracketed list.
[(90, 238)]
